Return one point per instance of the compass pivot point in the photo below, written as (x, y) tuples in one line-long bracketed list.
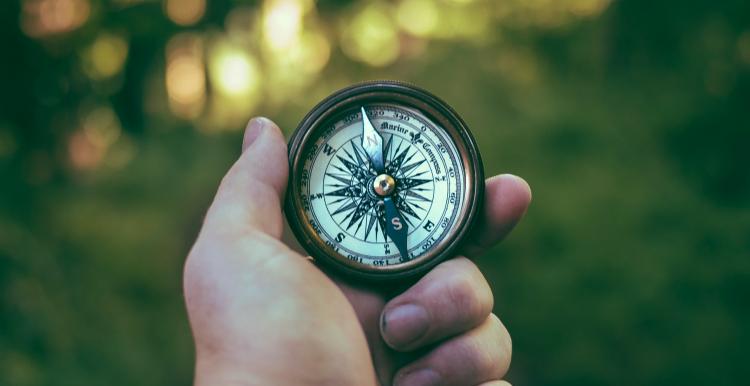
[(384, 185)]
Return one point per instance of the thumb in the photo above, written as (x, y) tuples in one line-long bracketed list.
[(250, 195)]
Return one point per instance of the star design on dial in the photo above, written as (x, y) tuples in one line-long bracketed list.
[(356, 207)]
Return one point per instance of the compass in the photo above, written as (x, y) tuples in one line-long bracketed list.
[(385, 181)]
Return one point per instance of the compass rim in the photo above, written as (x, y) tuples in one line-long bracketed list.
[(432, 107)]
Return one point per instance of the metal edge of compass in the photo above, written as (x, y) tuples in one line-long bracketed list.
[(425, 102)]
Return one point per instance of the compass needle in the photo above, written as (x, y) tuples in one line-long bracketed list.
[(397, 228), (372, 142)]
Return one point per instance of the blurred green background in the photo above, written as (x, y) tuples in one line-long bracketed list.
[(628, 118)]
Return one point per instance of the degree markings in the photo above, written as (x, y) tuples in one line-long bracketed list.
[(347, 166)]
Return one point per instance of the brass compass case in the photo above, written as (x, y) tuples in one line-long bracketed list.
[(401, 97)]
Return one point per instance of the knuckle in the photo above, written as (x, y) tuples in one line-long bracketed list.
[(481, 359), (479, 355), (502, 344), (471, 294), (461, 293), (501, 331)]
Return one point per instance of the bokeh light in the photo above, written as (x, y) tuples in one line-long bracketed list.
[(312, 52), (289, 73), (282, 22), (186, 85), (236, 82), (370, 35), (234, 72), (100, 128), (185, 12), (105, 57), (418, 17), (42, 18), (185, 75), (84, 154)]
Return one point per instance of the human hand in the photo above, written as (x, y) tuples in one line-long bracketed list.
[(263, 314)]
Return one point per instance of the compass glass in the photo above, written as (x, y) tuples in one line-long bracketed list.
[(342, 193), (385, 181)]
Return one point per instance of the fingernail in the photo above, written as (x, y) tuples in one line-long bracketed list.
[(252, 132), (422, 377), (404, 325)]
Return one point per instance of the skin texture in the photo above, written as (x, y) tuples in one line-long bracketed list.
[(262, 313)]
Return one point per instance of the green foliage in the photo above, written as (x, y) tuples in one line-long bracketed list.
[(632, 266)]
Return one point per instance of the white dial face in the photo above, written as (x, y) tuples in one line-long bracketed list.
[(344, 209)]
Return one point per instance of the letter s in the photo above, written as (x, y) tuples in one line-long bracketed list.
[(396, 223)]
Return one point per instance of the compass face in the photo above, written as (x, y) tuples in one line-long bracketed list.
[(382, 183), (418, 155)]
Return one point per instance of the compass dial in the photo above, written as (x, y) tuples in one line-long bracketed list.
[(420, 158), (385, 181)]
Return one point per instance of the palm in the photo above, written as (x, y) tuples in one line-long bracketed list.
[(367, 304), (303, 311)]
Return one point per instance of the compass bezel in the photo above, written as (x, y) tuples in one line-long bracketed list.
[(400, 94)]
